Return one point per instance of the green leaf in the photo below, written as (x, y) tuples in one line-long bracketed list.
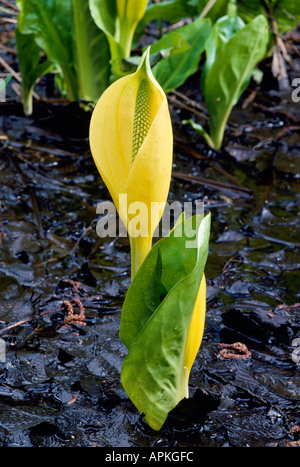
[(181, 50), (222, 31), (4, 82), (51, 23), (104, 14), (91, 53), (286, 13), (156, 318), (171, 11), (234, 62), (66, 32), (31, 70)]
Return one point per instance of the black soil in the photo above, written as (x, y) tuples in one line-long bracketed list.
[(60, 384)]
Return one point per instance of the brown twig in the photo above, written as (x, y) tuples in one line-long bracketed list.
[(32, 196), (197, 155), (11, 5), (212, 183)]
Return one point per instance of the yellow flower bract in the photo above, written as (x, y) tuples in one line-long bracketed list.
[(131, 141)]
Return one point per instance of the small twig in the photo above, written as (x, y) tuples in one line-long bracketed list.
[(8, 11), (207, 8), (8, 49), (32, 196), (285, 130), (181, 105), (189, 101), (10, 5), (11, 326), (212, 183), (231, 260), (193, 152), (8, 20)]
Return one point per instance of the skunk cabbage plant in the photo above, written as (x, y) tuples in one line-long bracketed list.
[(132, 144), (231, 60), (163, 316), (72, 43)]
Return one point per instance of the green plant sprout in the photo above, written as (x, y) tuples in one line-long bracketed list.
[(163, 315), (233, 51), (4, 82)]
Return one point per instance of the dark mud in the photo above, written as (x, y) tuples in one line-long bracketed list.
[(60, 383)]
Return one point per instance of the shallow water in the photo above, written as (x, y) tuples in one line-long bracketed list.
[(60, 385)]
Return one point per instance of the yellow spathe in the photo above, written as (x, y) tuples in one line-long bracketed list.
[(133, 10), (131, 142), (196, 331)]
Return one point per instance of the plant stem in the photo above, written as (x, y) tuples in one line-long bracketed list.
[(140, 247), (126, 37)]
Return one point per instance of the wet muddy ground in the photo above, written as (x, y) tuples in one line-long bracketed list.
[(60, 383)]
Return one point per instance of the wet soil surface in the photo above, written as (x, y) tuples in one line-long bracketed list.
[(60, 383)]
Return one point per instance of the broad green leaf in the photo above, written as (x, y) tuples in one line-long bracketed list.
[(184, 47), (233, 64), (104, 14), (286, 13), (171, 11), (31, 70), (222, 31), (66, 32), (91, 53), (51, 23), (156, 318)]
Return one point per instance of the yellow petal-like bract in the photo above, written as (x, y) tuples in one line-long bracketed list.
[(132, 10), (196, 330), (132, 145)]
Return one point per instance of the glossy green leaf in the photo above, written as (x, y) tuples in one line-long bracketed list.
[(171, 11), (31, 70), (104, 13), (51, 24), (91, 53), (233, 64), (286, 13), (156, 318), (118, 19), (222, 31), (66, 32), (181, 50)]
